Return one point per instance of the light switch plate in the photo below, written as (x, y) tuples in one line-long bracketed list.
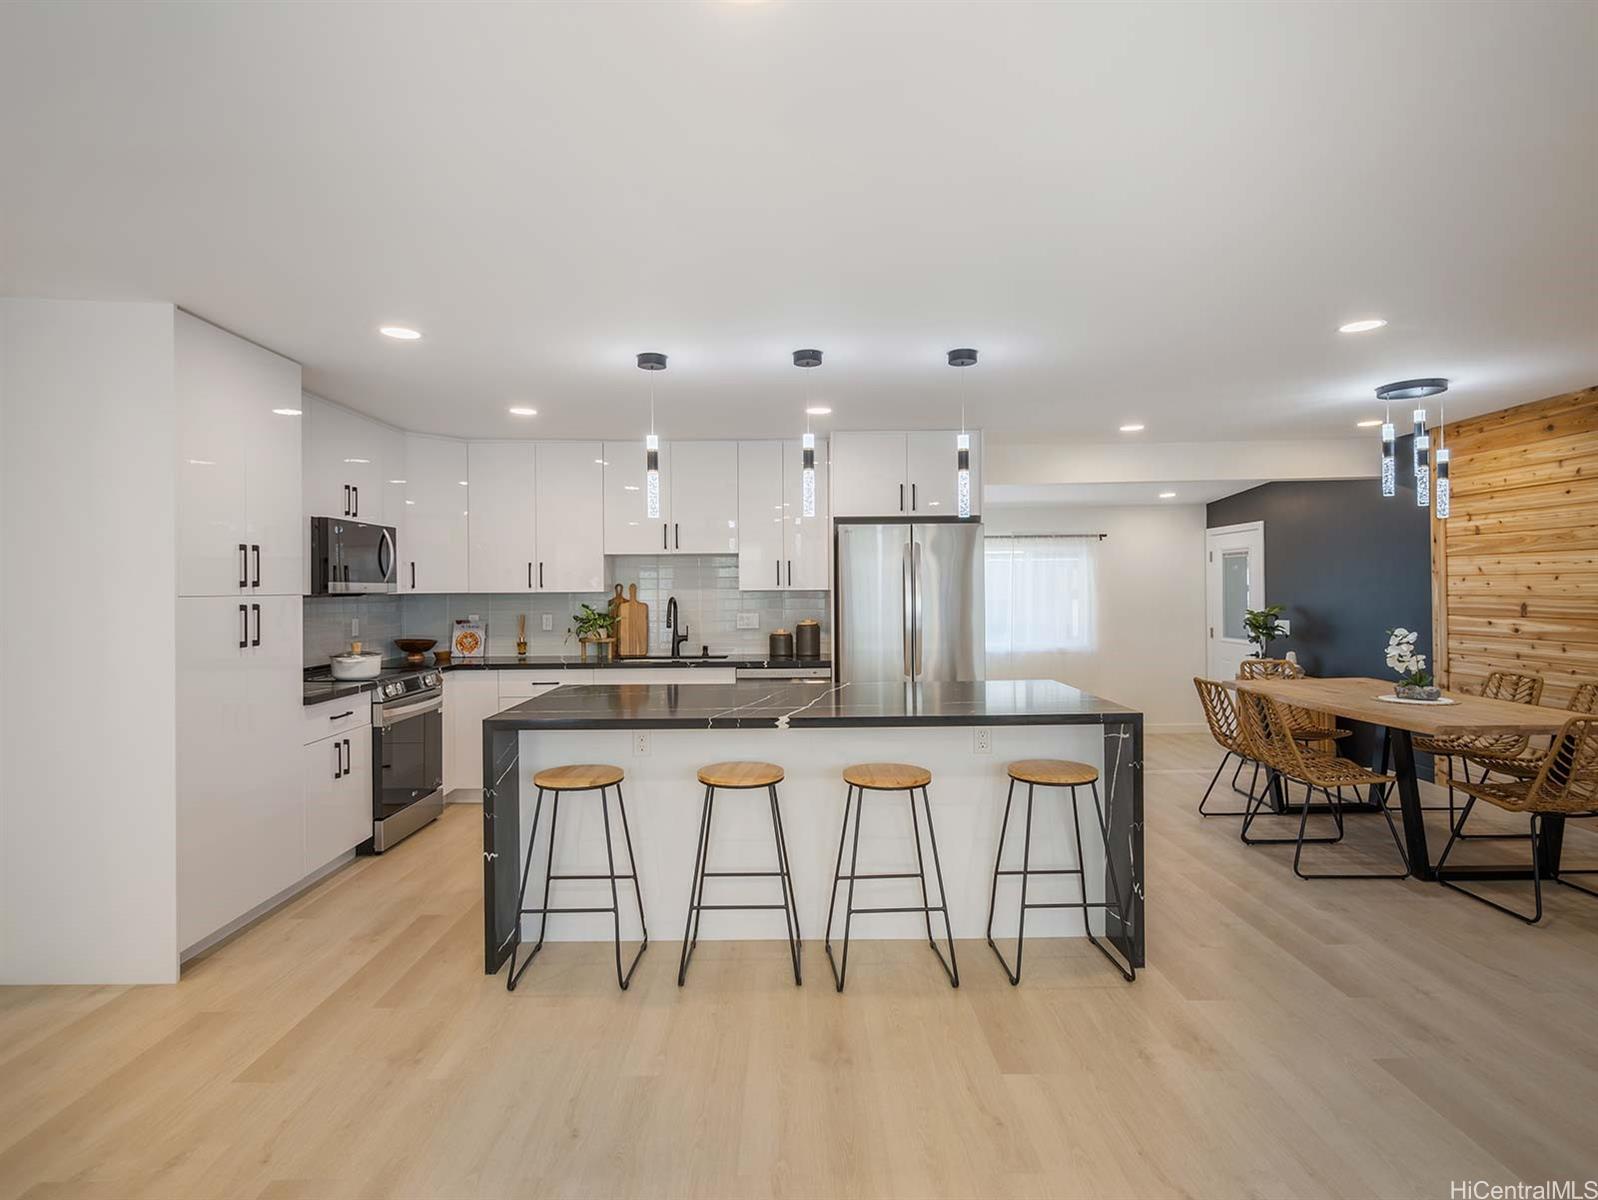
[(548, 622), (748, 620)]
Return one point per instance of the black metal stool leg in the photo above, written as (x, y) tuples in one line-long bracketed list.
[(623, 980), (952, 967), (694, 885), (921, 868), (840, 971), (998, 861), (789, 909), (1026, 869), (782, 847), (521, 898), (632, 862)]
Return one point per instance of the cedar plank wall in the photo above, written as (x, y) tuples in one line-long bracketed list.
[(1515, 571)]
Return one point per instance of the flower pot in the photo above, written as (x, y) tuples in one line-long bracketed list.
[(1409, 691)]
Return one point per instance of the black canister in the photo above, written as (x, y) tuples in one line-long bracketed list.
[(781, 644), (807, 639)]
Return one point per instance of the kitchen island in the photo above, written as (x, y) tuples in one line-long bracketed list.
[(965, 733)]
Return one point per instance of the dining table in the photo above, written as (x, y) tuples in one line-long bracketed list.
[(1372, 701)]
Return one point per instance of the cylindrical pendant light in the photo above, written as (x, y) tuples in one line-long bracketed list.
[(1423, 460), (1443, 488), (1409, 389), (963, 357), (807, 473), (650, 361)]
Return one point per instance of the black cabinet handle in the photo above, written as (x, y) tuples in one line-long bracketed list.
[(529, 576), (678, 535), (540, 573), (356, 492), (342, 715), (901, 497), (256, 608), (346, 499), (256, 550), (665, 537), (338, 762), (790, 572), (413, 574), (912, 497), (779, 572), (348, 760), (244, 627), (244, 565)]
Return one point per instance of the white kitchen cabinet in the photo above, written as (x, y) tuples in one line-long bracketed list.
[(778, 546), (570, 516), (807, 541), (627, 529), (704, 497), (432, 515), (347, 461), (931, 473), (502, 524), (336, 774), (238, 465), (241, 823), (470, 697)]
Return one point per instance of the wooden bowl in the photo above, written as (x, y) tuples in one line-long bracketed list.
[(415, 649)]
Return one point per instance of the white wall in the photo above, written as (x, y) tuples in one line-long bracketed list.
[(88, 877), (1150, 605)]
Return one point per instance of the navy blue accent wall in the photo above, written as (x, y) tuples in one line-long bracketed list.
[(1347, 565)]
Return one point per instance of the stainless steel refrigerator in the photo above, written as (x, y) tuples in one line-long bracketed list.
[(908, 601)]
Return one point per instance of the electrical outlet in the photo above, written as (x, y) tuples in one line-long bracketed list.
[(984, 740), (748, 620), (548, 622), (641, 741)]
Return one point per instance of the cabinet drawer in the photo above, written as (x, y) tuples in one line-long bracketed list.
[(515, 686), (335, 716)]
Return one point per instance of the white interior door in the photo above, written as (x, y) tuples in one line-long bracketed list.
[(1234, 583)]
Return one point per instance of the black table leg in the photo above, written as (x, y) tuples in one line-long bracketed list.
[(1420, 859), (1550, 845), (502, 849)]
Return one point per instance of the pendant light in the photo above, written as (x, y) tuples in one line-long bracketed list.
[(1414, 389), (1423, 460), (650, 361), (963, 357), (1389, 466), (1442, 486), (807, 475)]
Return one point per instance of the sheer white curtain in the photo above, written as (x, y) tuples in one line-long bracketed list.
[(1040, 603)]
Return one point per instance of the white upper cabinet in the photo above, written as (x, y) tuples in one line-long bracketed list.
[(627, 529), (570, 516), (704, 497), (893, 474), (238, 468), (430, 507), (932, 473), (778, 546), (503, 552), (348, 459)]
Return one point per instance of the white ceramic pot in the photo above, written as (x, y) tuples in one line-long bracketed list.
[(357, 666)]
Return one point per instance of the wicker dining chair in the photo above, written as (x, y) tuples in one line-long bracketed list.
[(1500, 685), (1566, 785), (1268, 737), (1220, 712), (1524, 765), (1307, 724)]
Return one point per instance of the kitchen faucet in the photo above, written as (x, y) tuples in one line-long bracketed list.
[(678, 636)]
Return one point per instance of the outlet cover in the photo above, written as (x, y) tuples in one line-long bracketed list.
[(984, 740), (641, 741), (548, 622), (748, 620)]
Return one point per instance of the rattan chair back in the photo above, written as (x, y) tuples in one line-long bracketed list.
[(1269, 668), (1220, 711)]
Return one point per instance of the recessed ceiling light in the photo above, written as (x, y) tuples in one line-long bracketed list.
[(1364, 326), (600, 462), (818, 410), (399, 333), (410, 502), (629, 487), (519, 411), (1135, 427), (399, 480), (1167, 495), (202, 462), (1374, 421), (287, 412), (357, 460), (464, 483)]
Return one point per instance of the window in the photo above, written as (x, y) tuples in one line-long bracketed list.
[(1040, 597)]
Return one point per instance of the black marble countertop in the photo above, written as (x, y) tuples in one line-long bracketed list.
[(784, 704), (320, 687)]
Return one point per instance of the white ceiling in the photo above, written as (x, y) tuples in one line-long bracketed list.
[(1116, 495), (1152, 212)]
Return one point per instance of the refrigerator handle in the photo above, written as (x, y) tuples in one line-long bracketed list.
[(907, 582), (917, 635)]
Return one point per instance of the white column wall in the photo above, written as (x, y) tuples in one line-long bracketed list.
[(88, 879), (663, 807)]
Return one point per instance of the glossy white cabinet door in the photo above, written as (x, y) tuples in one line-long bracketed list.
[(272, 457), (807, 541), (762, 532), (868, 475), (932, 473), (337, 775), (628, 530), (704, 497), (343, 467), (211, 462), (502, 523), (571, 517), (469, 698), (434, 525)]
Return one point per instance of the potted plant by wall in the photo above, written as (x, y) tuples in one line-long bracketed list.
[(1414, 683), (1263, 627), (593, 628)]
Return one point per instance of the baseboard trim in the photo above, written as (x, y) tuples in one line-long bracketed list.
[(238, 925), (464, 796)]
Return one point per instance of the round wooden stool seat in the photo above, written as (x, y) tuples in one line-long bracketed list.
[(740, 774), (887, 777), (1053, 772), (578, 778)]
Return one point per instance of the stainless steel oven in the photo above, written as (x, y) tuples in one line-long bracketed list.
[(352, 558), (407, 756)]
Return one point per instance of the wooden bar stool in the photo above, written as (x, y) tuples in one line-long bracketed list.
[(889, 777), (740, 776), (584, 777), (1056, 773)]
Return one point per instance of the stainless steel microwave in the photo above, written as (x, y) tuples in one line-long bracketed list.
[(352, 557)]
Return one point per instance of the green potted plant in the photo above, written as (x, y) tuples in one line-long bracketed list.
[(1263, 627), (593, 627)]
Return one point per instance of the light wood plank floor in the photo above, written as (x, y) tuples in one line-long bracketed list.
[(1287, 1039)]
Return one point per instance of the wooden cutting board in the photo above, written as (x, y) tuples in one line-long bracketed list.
[(632, 623)]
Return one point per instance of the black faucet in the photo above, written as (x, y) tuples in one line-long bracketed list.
[(678, 636)]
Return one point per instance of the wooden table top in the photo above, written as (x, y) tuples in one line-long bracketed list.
[(1356, 699)]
